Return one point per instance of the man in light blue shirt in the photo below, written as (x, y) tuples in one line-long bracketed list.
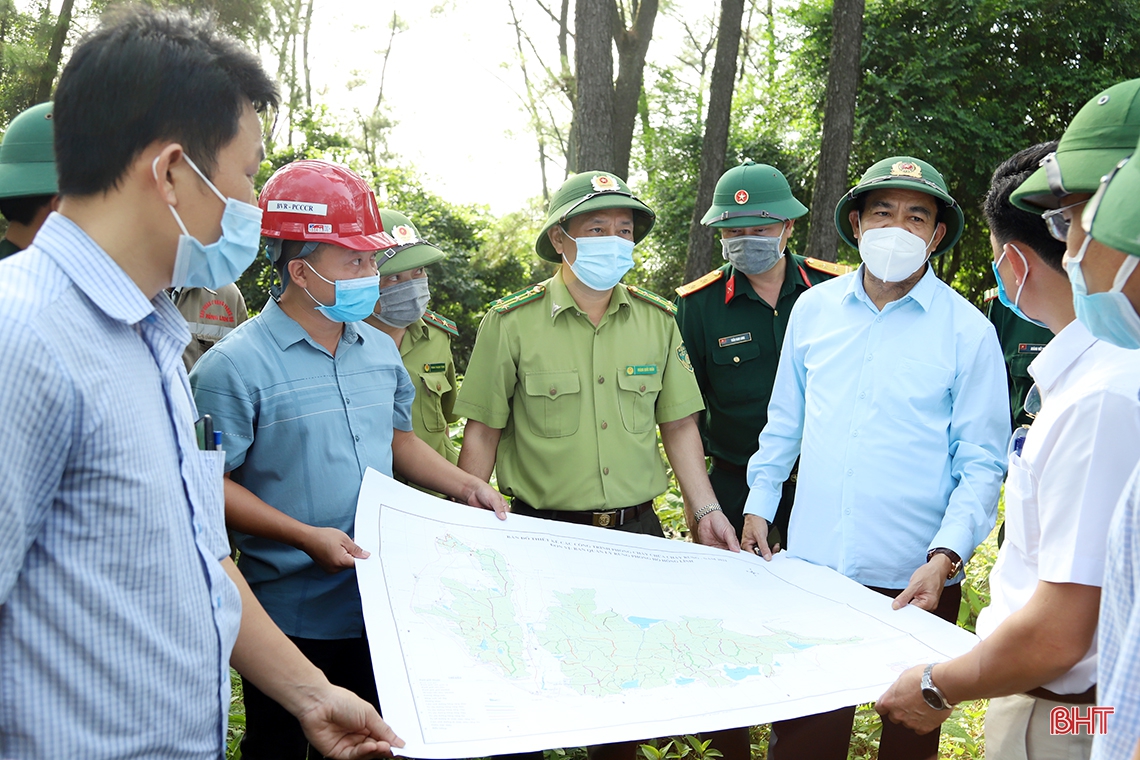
[(891, 390), (307, 397), (120, 611)]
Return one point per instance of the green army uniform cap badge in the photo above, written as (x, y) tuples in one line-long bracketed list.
[(741, 197)]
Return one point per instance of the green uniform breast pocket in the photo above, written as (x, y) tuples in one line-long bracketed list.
[(429, 399), (734, 369), (553, 403), (637, 399)]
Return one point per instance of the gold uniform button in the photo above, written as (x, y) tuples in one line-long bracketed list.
[(643, 389), (553, 391), (736, 360), (605, 424), (438, 387), (605, 470)]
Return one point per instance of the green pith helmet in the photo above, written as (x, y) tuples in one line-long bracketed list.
[(1110, 217), (1103, 132), (27, 156), (904, 173), (411, 251), (590, 191), (752, 195)]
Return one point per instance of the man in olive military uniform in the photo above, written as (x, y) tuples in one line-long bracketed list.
[(733, 321), (570, 380), (423, 337), (210, 314), (1021, 341), (28, 185)]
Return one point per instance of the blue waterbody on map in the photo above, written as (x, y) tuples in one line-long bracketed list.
[(684, 681), (630, 684), (483, 645), (641, 622), (796, 645), (739, 674)]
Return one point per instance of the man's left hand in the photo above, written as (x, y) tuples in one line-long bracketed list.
[(926, 584), (716, 531), (903, 703), (485, 497), (343, 726)]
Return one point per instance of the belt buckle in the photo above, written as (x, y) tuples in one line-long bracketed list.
[(606, 519)]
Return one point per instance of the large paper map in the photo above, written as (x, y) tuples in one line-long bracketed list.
[(491, 637)]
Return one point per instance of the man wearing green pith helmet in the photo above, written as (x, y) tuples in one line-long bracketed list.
[(733, 321), (571, 379), (28, 185), (423, 337)]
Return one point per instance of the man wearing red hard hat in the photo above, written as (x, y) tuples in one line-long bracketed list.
[(307, 397)]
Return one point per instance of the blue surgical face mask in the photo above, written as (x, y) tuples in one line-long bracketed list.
[(1004, 297), (221, 262), (1108, 316), (601, 262), (355, 299)]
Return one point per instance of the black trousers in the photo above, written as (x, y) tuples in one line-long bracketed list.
[(271, 732), (731, 489), (826, 736)]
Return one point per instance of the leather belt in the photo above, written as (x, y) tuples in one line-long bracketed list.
[(735, 469), (1084, 698), (609, 518)]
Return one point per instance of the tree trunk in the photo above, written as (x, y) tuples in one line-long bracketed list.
[(305, 55), (594, 70), (838, 127), (51, 65), (632, 45), (715, 144)]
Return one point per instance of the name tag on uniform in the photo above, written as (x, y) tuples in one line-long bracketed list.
[(440, 367), (1030, 348), (642, 369), (732, 340)]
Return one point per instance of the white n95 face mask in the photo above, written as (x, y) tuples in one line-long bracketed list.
[(891, 253)]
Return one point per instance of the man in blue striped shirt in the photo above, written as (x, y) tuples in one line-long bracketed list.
[(121, 610), (891, 389)]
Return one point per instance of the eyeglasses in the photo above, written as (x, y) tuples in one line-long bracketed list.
[(1093, 204), (1032, 403), (1056, 222)]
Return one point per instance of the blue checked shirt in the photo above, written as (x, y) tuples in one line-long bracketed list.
[(118, 618), (300, 427), (900, 419), (1118, 633)]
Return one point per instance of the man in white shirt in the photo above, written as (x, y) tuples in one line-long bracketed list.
[(1066, 472)]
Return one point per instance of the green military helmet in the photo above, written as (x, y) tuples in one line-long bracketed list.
[(27, 155), (1110, 216), (904, 173), (752, 195), (590, 191), (411, 251), (1103, 132)]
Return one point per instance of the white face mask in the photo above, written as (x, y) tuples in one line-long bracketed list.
[(891, 253)]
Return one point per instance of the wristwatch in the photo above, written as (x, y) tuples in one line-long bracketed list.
[(955, 560), (931, 694)]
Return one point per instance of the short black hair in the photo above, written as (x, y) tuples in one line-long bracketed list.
[(146, 75), (23, 210), (1007, 222)]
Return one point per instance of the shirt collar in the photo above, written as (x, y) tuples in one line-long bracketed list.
[(286, 331), (1061, 353), (922, 293), (561, 300), (792, 280), (95, 273)]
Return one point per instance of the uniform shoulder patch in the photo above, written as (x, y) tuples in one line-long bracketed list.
[(442, 322), (652, 298), (990, 295), (700, 283), (515, 300), (828, 267)]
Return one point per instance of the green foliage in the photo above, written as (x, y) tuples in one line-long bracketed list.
[(25, 37), (687, 747)]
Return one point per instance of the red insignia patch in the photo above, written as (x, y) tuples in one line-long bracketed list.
[(741, 196)]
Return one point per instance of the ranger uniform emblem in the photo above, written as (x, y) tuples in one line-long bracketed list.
[(604, 183), (403, 234), (906, 169), (741, 196), (683, 357)]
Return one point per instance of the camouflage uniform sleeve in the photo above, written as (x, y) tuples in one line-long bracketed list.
[(492, 374), (680, 395)]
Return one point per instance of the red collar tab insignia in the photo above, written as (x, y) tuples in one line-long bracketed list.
[(906, 169), (403, 234), (729, 288), (604, 183), (741, 197)]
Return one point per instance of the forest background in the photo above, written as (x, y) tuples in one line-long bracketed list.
[(669, 93)]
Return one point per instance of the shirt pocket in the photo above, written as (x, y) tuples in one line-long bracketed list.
[(916, 391), (1021, 519), (734, 370), (553, 403), (637, 400), (204, 469), (433, 387)]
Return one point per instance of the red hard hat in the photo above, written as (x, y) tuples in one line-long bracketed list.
[(324, 203)]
